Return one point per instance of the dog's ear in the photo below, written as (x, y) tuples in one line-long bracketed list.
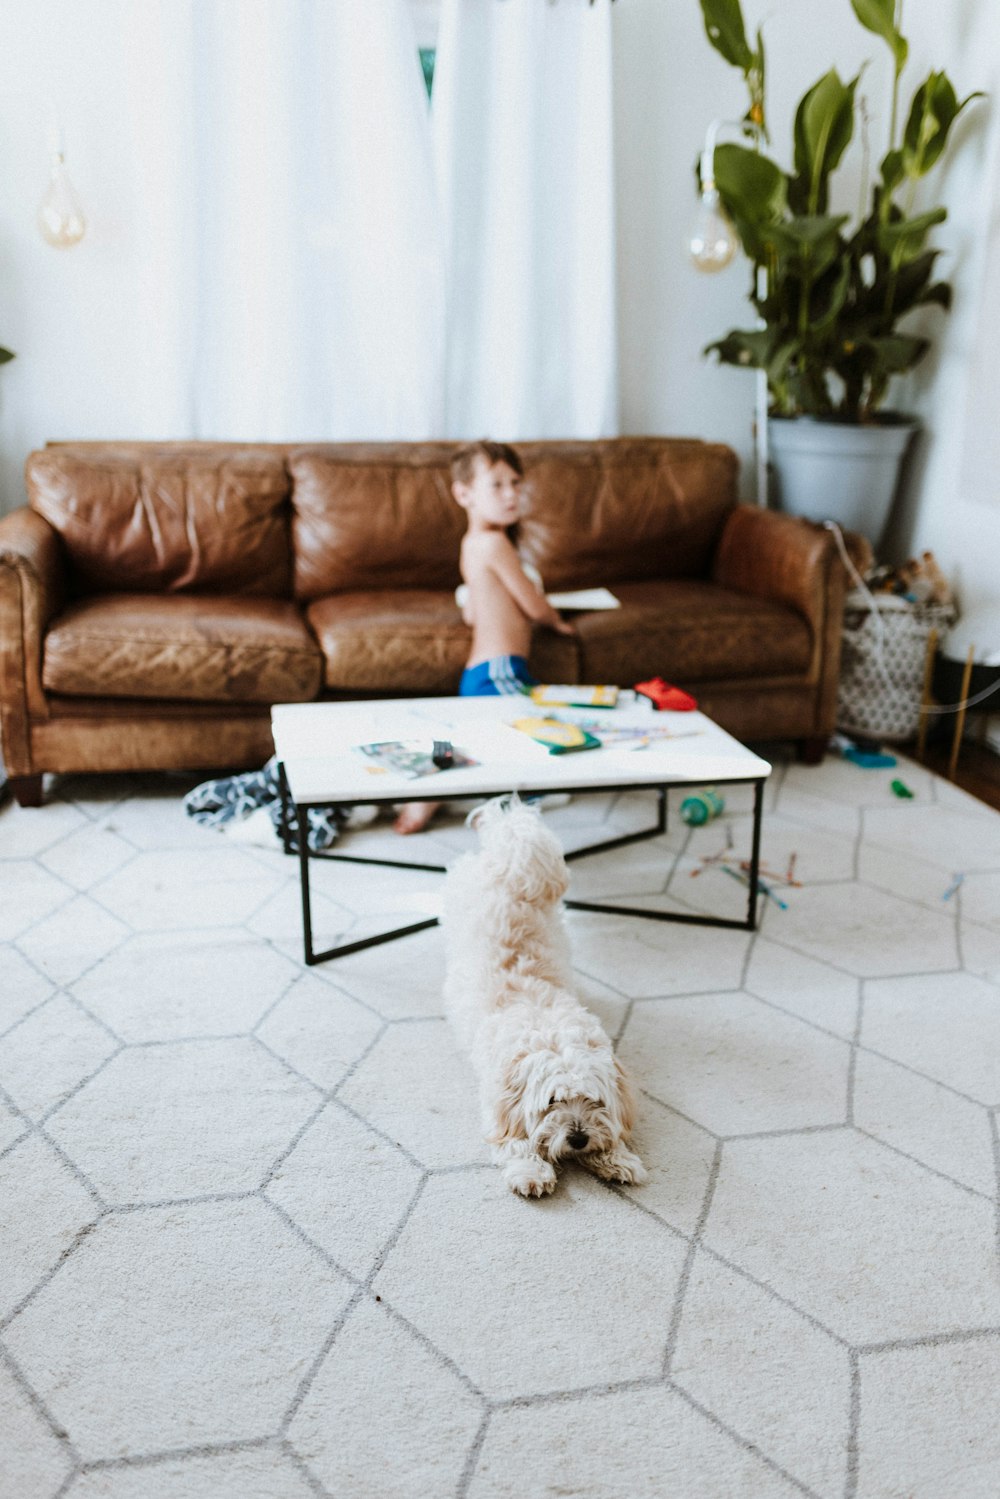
[(626, 1100), (551, 876), (487, 813), (508, 1106)]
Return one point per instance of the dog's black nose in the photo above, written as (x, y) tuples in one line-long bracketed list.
[(578, 1139)]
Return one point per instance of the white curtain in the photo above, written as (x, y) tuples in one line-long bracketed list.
[(262, 259), (267, 255), (522, 122), (320, 307)]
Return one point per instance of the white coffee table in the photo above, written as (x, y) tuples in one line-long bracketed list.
[(321, 766)]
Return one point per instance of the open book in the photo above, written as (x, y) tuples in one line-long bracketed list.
[(581, 598), (410, 758), (584, 598)]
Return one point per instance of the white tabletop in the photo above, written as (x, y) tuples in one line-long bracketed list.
[(317, 744)]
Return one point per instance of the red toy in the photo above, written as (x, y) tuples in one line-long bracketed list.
[(663, 696)]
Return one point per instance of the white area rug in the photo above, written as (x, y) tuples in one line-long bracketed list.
[(251, 1246)]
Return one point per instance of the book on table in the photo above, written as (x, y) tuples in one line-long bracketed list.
[(410, 757), (559, 737), (573, 695)]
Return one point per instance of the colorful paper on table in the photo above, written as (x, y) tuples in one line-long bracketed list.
[(559, 738), (610, 732), (566, 695)]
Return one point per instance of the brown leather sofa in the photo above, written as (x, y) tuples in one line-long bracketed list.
[(157, 598)]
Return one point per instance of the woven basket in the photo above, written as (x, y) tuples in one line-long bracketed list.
[(882, 664)]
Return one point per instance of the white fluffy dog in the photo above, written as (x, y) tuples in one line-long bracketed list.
[(551, 1087)]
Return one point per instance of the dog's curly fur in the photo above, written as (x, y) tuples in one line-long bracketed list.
[(551, 1087)]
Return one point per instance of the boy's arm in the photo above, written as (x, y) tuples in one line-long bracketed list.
[(505, 563)]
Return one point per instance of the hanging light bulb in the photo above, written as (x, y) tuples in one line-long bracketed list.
[(713, 241), (61, 218)]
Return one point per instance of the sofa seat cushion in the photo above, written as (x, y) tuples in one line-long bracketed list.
[(186, 648), (390, 640), (411, 640), (690, 631)]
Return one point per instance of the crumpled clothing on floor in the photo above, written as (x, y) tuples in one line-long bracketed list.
[(233, 799)]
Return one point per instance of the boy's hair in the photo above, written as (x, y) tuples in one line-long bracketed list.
[(463, 463)]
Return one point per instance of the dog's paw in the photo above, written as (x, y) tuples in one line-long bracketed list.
[(622, 1166), (530, 1178)]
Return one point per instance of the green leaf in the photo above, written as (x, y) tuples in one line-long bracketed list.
[(812, 231), (810, 242), (939, 295), (747, 348), (879, 16), (896, 353), (725, 30), (911, 280), (5, 355), (893, 170), (750, 185), (904, 238), (781, 358), (824, 124), (934, 110), (828, 299), (809, 391)]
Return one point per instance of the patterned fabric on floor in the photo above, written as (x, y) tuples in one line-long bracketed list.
[(251, 1244), (229, 800)]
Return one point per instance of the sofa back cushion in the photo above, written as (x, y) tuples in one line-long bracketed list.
[(381, 515), (625, 509), (374, 516), (168, 517)]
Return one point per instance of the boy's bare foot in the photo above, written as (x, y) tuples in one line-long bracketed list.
[(414, 816)]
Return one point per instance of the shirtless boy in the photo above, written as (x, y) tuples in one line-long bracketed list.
[(501, 602)]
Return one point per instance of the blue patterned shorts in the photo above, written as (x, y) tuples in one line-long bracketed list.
[(501, 676)]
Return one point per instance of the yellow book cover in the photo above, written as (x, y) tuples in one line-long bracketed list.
[(559, 738), (569, 696)]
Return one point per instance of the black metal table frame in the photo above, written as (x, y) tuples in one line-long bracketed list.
[(660, 826)]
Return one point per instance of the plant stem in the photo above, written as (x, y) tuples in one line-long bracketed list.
[(897, 22)]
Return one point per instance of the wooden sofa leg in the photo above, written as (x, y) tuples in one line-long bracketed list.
[(27, 790), (811, 751)]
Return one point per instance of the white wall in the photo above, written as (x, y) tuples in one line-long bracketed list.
[(670, 84), (941, 508), (74, 318)]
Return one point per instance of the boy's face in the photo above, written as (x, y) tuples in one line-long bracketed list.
[(493, 495)]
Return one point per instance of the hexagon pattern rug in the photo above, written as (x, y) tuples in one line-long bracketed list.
[(251, 1245)]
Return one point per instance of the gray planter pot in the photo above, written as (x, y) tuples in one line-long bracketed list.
[(835, 471)]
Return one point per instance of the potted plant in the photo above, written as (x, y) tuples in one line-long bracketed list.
[(831, 295)]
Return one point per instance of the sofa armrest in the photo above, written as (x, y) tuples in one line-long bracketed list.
[(32, 591), (797, 563), (783, 558)]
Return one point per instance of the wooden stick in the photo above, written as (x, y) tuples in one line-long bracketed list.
[(960, 721), (925, 695)]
